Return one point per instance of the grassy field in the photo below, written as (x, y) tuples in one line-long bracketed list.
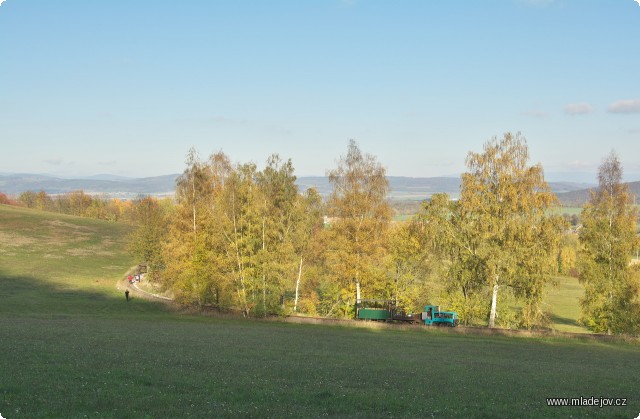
[(70, 346), (52, 263), (562, 300)]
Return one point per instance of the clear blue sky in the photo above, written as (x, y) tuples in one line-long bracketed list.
[(127, 87)]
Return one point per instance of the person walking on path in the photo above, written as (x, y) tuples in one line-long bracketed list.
[(126, 294)]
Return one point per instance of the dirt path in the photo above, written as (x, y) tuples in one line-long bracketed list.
[(124, 284), (149, 294)]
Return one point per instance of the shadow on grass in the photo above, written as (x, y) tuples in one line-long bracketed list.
[(29, 295), (564, 320)]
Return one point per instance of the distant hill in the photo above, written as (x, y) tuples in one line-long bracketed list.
[(412, 188), (580, 197), (118, 187), (402, 188)]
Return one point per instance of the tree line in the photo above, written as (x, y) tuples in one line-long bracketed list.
[(76, 203), (247, 238), (82, 204), (237, 237)]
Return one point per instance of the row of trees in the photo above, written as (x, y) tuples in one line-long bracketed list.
[(5, 200), (248, 238), (80, 204), (237, 235), (242, 237), (76, 203)]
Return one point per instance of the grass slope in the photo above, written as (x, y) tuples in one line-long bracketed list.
[(562, 301), (71, 346)]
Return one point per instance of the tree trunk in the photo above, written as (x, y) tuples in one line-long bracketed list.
[(494, 303), (357, 290), (264, 276), (193, 198), (295, 304), (194, 219), (264, 295), (242, 292)]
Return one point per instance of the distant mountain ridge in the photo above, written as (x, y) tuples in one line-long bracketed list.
[(402, 188), (15, 184), (580, 197)]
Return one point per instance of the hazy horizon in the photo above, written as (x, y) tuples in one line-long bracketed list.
[(586, 178)]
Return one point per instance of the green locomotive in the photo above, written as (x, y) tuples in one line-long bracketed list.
[(433, 316)]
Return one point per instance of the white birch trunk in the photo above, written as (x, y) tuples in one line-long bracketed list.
[(264, 295), (193, 198), (295, 304), (494, 303)]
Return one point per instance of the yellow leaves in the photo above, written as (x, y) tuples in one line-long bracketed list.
[(608, 237), (499, 227), (359, 239)]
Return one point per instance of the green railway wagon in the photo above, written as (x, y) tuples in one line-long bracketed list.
[(378, 310), (374, 314)]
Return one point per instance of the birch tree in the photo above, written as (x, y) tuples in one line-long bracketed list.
[(446, 235), (608, 239), (243, 230), (499, 234), (276, 257), (307, 226), (410, 266), (146, 241), (192, 266), (361, 217), (507, 202), (193, 186)]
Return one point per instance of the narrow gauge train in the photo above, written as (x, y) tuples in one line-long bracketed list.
[(386, 310)]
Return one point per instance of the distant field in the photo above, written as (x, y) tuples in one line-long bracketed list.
[(70, 346), (570, 210), (402, 217), (405, 209)]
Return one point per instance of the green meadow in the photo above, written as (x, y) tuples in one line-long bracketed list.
[(71, 346), (562, 302)]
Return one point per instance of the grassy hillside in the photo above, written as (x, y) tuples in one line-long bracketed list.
[(51, 263), (70, 346)]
